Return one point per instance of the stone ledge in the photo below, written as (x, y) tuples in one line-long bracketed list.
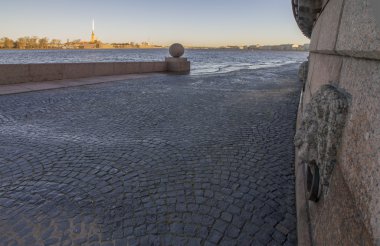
[(178, 65), (23, 73)]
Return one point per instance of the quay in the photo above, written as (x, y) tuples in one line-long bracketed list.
[(157, 159)]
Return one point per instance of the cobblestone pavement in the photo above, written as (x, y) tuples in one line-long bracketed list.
[(166, 160)]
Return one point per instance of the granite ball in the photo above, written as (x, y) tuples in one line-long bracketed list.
[(176, 50)]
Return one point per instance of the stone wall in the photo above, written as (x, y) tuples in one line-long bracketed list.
[(21, 73), (345, 53)]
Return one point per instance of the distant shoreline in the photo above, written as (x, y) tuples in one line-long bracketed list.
[(148, 48), (158, 48)]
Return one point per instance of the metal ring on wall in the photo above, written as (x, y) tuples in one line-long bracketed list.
[(312, 181)]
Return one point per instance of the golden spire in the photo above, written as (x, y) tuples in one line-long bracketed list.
[(93, 38)]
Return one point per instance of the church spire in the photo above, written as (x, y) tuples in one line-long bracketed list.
[(93, 38)]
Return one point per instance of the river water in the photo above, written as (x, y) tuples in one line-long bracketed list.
[(202, 61)]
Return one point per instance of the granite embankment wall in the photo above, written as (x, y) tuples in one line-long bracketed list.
[(21, 73), (345, 53)]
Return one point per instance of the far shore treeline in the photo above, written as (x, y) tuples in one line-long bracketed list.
[(29, 43), (35, 42)]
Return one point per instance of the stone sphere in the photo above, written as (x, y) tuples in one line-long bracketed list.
[(176, 50)]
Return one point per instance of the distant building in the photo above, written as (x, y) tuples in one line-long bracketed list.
[(281, 47), (93, 37), (94, 43), (85, 45)]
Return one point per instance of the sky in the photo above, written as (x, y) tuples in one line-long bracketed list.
[(190, 22)]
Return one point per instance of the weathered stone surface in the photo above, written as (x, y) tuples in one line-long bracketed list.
[(358, 33), (132, 67), (324, 2), (375, 6), (328, 32), (323, 69), (160, 66), (45, 73), (335, 220), (350, 214), (147, 67), (21, 73), (126, 67), (176, 50), (104, 69), (177, 65), (303, 71), (303, 220), (315, 35), (14, 73), (318, 139), (360, 155), (78, 70)]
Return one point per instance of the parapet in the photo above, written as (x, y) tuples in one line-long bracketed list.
[(22, 73)]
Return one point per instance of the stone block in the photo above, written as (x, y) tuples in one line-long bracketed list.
[(329, 26), (138, 67), (177, 65), (104, 69), (14, 73), (146, 67), (303, 233), (315, 36), (120, 68), (359, 35), (306, 95), (335, 220), (133, 67), (78, 70), (45, 72), (173, 59), (160, 66), (302, 71), (375, 5), (360, 153), (324, 2), (21, 73), (325, 69)]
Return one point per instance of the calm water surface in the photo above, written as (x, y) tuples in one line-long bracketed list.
[(202, 61)]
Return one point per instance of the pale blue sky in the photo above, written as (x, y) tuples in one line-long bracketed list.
[(191, 22)]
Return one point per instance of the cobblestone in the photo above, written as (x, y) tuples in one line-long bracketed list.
[(164, 160)]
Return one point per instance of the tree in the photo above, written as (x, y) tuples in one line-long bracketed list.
[(43, 43), (21, 43), (33, 42), (55, 43), (2, 41), (8, 43)]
